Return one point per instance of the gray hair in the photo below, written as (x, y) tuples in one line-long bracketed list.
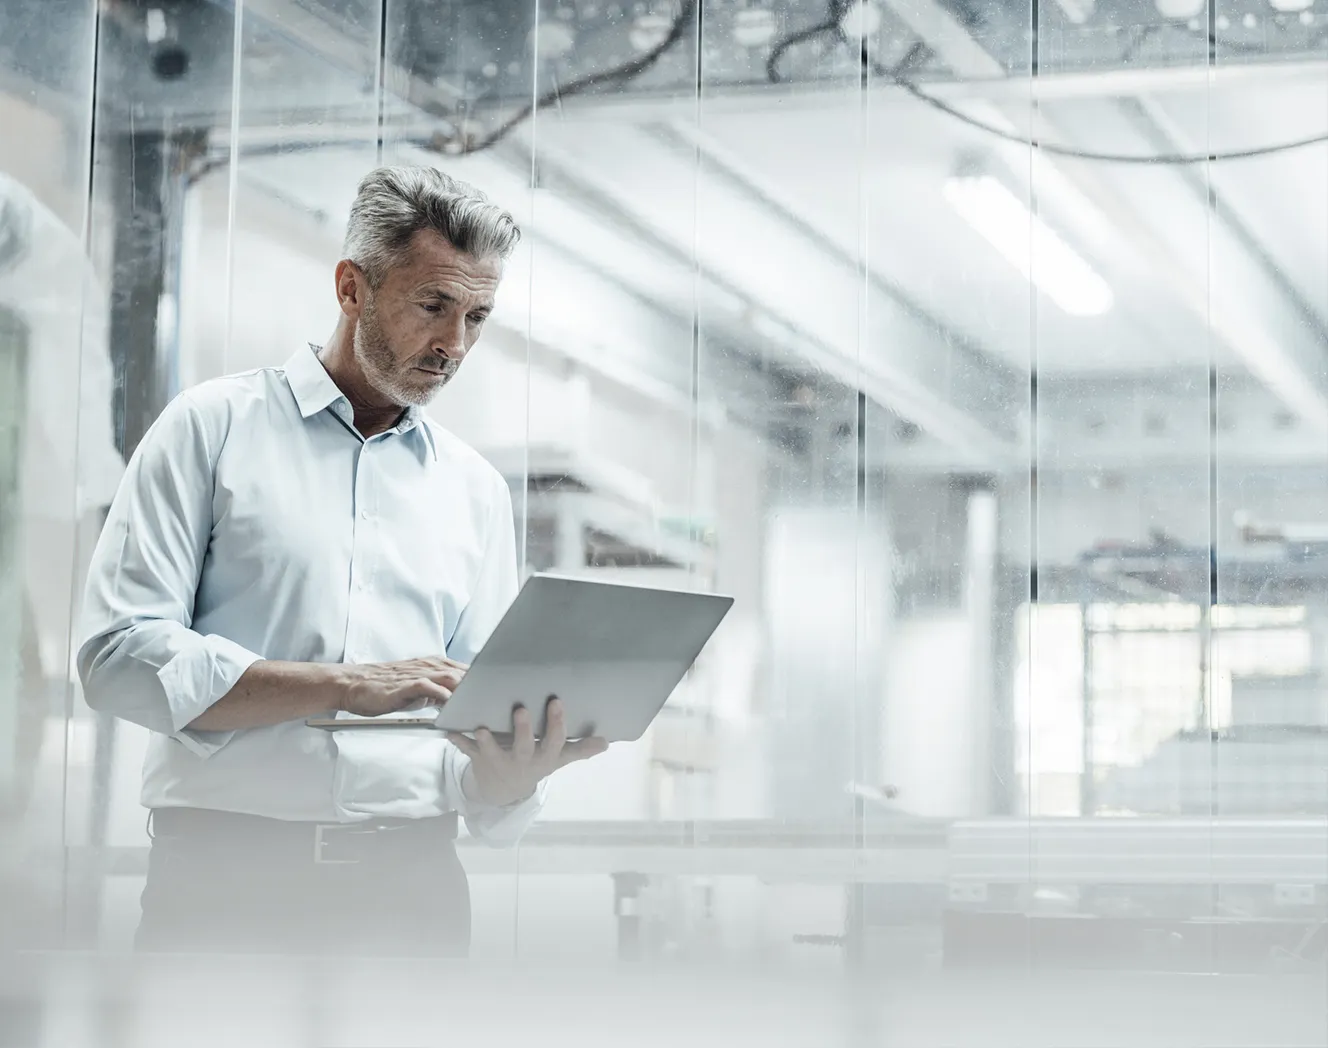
[(395, 203)]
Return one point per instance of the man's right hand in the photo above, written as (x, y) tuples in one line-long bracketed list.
[(273, 692), (374, 688)]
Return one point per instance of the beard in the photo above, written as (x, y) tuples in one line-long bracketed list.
[(397, 380)]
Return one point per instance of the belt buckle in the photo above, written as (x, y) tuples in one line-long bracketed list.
[(319, 842)]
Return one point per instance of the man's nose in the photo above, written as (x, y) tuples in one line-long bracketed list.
[(451, 343)]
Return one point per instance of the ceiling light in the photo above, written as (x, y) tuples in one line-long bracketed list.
[(1180, 10), (552, 39), (156, 26), (860, 20), (1287, 7), (1029, 244), (754, 27)]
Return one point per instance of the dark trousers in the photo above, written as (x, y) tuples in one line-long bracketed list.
[(223, 883)]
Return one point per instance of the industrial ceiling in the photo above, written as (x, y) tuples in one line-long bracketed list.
[(774, 186)]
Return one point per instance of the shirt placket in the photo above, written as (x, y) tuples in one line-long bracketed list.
[(363, 556)]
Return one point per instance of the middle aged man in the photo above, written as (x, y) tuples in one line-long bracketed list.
[(296, 540)]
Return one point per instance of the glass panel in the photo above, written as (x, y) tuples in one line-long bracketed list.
[(58, 465), (961, 343), (1123, 492), (1147, 419), (461, 78), (229, 143), (1268, 695), (619, 477), (951, 344), (163, 85)]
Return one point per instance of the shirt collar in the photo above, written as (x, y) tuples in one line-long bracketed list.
[(313, 387), (315, 391), (422, 425)]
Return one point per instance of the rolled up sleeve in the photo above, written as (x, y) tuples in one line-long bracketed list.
[(139, 658)]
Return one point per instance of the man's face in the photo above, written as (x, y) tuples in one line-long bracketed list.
[(413, 331)]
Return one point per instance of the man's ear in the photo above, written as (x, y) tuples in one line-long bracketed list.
[(352, 286)]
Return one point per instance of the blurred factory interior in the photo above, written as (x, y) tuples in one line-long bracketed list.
[(979, 348)]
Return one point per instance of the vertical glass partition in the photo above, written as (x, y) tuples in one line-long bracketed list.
[(59, 463), (977, 349)]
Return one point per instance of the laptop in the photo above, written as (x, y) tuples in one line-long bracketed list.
[(611, 652)]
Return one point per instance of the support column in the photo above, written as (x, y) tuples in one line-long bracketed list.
[(938, 735), (981, 552), (146, 187), (828, 608)]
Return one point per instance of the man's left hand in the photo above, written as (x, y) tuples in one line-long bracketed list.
[(502, 775)]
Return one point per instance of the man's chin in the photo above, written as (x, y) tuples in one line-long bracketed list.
[(417, 398), (408, 394), (415, 388)]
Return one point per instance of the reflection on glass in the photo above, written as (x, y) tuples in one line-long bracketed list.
[(976, 350)]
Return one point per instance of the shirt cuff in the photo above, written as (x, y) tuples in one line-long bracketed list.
[(196, 678), (499, 824)]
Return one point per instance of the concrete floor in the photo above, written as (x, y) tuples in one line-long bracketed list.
[(77, 1001)]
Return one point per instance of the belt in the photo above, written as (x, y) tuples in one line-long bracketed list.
[(322, 842)]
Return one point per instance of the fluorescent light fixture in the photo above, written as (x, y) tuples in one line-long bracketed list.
[(1180, 10), (1028, 244), (754, 26)]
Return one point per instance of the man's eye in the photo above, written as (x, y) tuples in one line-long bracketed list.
[(478, 318), (433, 308)]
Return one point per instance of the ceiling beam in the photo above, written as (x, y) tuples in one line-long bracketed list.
[(992, 86), (897, 357), (911, 362), (337, 42), (1263, 326)]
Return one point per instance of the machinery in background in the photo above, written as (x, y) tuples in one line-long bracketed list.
[(1195, 895), (588, 516)]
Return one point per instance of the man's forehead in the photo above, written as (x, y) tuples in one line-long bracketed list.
[(428, 246), (437, 262)]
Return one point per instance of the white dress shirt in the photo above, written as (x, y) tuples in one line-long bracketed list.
[(254, 522)]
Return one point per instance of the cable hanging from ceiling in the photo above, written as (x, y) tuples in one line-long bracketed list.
[(901, 74), (457, 144), (920, 53)]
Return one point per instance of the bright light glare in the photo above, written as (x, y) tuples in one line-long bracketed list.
[(754, 27), (860, 20), (1179, 10), (1029, 245)]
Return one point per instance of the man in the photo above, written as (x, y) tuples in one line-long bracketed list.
[(298, 540)]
